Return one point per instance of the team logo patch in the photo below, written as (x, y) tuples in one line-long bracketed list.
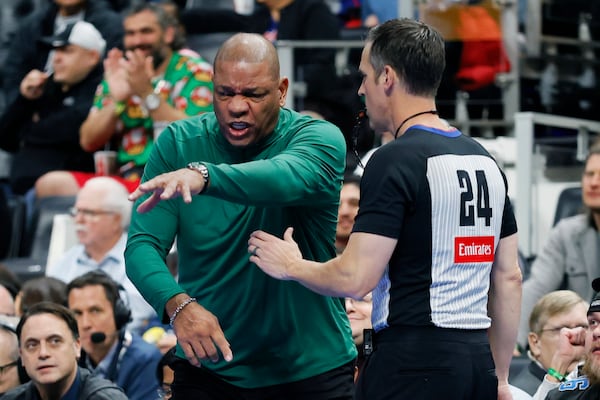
[(571, 385), (473, 249)]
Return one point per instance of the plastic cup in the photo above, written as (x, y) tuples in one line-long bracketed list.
[(105, 162)]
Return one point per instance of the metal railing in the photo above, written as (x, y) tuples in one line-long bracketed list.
[(525, 168)]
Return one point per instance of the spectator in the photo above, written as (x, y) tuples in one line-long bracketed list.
[(109, 349), (54, 103), (576, 344), (7, 302), (102, 214), (255, 164), (434, 239), (475, 60), (9, 288), (347, 210), (9, 280), (554, 311), (26, 52), (307, 20), (145, 87), (49, 347), (358, 311), (40, 289), (571, 256), (359, 314), (9, 358)]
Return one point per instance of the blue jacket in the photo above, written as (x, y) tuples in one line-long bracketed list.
[(134, 368)]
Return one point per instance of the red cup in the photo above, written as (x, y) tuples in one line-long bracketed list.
[(105, 162)]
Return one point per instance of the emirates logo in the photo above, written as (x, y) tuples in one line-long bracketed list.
[(473, 249)]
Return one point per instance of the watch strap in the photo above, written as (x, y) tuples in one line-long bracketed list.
[(152, 101), (203, 170)]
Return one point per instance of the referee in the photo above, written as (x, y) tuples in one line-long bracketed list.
[(434, 239)]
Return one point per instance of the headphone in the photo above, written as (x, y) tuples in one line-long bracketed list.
[(22, 373), (122, 310)]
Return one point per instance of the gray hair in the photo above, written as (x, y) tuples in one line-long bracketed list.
[(115, 197)]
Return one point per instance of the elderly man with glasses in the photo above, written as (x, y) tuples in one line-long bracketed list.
[(553, 312), (101, 214)]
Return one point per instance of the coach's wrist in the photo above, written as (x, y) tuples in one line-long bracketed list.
[(174, 302)]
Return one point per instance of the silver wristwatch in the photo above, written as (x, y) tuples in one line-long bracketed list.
[(152, 101), (201, 168)]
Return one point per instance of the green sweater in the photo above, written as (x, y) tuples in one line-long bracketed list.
[(279, 331)]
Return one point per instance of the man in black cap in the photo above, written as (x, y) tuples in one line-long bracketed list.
[(41, 126), (576, 343)]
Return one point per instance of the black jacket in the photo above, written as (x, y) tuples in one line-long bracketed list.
[(44, 134), (26, 53), (91, 388)]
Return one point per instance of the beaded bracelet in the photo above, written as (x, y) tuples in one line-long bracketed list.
[(555, 374), (179, 308)]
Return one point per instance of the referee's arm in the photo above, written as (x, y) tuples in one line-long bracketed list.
[(504, 307)]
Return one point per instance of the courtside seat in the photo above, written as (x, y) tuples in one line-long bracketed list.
[(569, 203), (18, 211), (35, 246)]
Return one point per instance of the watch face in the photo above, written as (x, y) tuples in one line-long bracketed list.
[(152, 101)]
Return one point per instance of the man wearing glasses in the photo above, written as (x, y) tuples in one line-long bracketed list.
[(9, 357), (101, 215), (553, 312)]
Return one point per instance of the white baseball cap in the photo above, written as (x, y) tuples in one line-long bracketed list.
[(80, 33)]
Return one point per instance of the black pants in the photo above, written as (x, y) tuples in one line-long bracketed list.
[(200, 384), (428, 363)]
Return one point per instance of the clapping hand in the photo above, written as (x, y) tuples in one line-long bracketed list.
[(116, 75), (140, 71)]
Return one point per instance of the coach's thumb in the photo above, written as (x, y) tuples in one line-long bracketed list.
[(287, 235)]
